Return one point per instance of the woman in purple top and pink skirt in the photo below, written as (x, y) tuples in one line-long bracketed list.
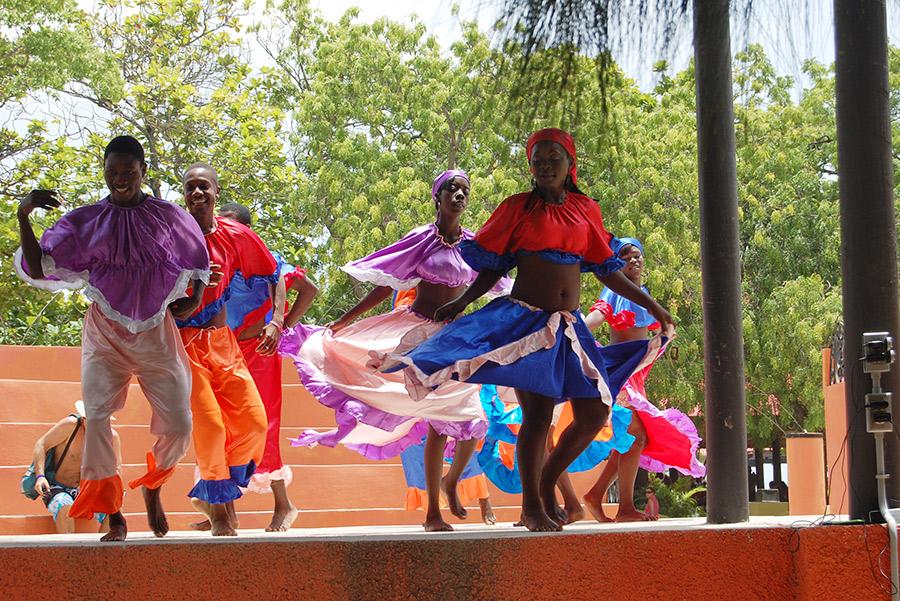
[(374, 413)]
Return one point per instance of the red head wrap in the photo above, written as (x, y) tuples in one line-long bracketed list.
[(563, 138)]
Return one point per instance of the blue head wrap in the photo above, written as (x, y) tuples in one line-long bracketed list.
[(623, 242)]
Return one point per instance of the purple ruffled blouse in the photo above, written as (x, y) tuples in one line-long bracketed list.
[(132, 261), (421, 255)]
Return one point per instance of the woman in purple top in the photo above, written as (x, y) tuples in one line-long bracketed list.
[(374, 413), (135, 256)]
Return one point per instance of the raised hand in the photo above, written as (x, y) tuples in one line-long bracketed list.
[(39, 199), (667, 324)]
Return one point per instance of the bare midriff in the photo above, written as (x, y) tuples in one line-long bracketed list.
[(628, 335), (547, 285), (430, 297), (253, 330)]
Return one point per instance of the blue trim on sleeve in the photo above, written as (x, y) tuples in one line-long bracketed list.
[(615, 245), (607, 267), (478, 258)]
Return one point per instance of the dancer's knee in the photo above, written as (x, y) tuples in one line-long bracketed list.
[(639, 433), (589, 415)]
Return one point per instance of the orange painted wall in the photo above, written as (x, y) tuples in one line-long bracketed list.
[(747, 564), (806, 466), (835, 433)]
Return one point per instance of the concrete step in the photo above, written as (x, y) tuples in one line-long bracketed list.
[(328, 518), (46, 401), (19, 438), (63, 363)]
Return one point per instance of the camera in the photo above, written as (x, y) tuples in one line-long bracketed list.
[(878, 412), (878, 352)]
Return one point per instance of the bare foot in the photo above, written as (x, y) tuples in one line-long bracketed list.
[(156, 517), (487, 512), (201, 506), (118, 529), (630, 516), (595, 506), (539, 521), (574, 513), (552, 508), (436, 523), (202, 526), (453, 502), (205, 508), (220, 525), (283, 519)]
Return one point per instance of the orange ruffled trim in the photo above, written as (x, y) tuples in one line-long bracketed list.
[(155, 477), (469, 489), (507, 452), (473, 488), (98, 496)]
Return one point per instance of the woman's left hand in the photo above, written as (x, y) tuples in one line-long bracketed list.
[(667, 324), (269, 339)]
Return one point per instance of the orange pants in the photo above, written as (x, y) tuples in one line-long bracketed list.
[(229, 417), (110, 356)]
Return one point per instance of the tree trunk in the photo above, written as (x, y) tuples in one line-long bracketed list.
[(759, 461), (868, 237), (723, 349), (776, 460)]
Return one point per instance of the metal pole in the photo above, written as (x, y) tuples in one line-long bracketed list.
[(868, 235), (726, 426)]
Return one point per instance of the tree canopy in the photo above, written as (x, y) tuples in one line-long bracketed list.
[(333, 142)]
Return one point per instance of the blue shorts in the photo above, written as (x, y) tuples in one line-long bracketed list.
[(62, 496)]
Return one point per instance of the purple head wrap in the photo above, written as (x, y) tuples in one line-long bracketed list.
[(443, 177)]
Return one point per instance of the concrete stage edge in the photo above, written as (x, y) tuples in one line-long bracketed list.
[(777, 559)]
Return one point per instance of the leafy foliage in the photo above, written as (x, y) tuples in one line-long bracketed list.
[(678, 499), (334, 141)]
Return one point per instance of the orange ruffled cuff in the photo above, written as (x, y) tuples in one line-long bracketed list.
[(155, 477), (98, 496)]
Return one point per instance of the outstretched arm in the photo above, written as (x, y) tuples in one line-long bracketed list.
[(594, 320), (621, 285), (31, 250), (374, 298)]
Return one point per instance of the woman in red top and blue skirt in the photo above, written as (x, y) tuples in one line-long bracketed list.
[(535, 340)]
